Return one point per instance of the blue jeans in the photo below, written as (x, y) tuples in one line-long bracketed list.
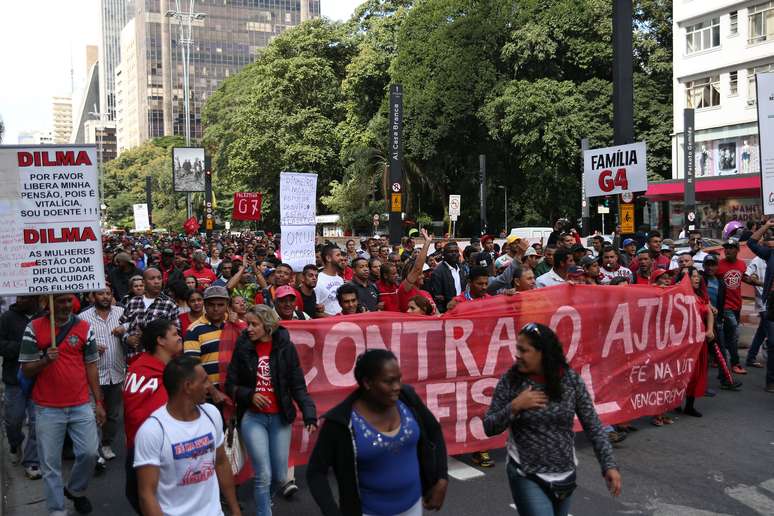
[(730, 339), (530, 499), (51, 426), (17, 407), (770, 359), (761, 334), (267, 441)]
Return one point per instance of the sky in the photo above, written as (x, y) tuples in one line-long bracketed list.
[(41, 41)]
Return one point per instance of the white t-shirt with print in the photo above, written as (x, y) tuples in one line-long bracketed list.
[(325, 291), (184, 451)]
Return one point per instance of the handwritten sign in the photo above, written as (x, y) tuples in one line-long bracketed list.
[(298, 199), (49, 220)]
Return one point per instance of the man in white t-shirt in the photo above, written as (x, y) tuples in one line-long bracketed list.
[(611, 268), (330, 279), (179, 455)]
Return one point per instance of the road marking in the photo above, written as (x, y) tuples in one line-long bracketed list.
[(513, 506), (668, 509), (752, 498), (768, 485), (461, 471)]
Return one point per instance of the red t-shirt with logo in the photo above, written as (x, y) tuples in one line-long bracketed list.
[(731, 273), (263, 383), (143, 393), (205, 277)]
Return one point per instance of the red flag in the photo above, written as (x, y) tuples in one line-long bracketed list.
[(191, 226), (247, 206)]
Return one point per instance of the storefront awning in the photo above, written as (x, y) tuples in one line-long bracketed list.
[(707, 188)]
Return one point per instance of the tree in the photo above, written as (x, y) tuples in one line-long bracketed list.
[(124, 180)]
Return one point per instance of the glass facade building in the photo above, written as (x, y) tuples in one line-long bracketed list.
[(228, 38), (114, 14)]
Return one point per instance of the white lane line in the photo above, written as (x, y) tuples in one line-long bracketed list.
[(513, 506), (752, 498), (768, 485), (461, 471), (668, 509)]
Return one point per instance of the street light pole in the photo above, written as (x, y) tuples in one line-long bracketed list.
[(185, 40), (505, 210)]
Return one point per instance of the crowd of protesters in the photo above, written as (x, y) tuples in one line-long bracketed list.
[(186, 345)]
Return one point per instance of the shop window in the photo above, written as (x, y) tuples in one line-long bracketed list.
[(703, 93), (761, 22), (702, 36)]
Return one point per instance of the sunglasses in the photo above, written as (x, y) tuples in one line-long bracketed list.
[(531, 328)]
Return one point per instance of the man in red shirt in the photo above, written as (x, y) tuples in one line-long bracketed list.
[(64, 366), (478, 280), (731, 272), (144, 389), (654, 249), (200, 271)]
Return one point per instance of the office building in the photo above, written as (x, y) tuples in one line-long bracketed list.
[(719, 47), (35, 138), (114, 15), (87, 107), (149, 82), (62, 115)]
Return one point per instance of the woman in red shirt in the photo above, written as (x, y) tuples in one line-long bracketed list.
[(196, 310)]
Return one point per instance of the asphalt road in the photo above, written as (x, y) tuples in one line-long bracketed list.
[(721, 464)]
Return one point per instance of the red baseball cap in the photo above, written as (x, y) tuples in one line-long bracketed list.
[(284, 291)]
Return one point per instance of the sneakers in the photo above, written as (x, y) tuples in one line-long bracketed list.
[(737, 369), (754, 364), (100, 467), (616, 437), (107, 452), (769, 387), (731, 386), (482, 459), (33, 472), (81, 503), (289, 489), (16, 455)]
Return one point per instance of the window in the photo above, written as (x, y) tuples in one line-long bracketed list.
[(733, 83), (761, 21), (751, 72), (733, 19), (703, 93), (702, 36)]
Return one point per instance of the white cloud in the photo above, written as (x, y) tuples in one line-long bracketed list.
[(339, 9)]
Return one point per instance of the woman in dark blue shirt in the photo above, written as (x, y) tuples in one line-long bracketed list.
[(385, 447)]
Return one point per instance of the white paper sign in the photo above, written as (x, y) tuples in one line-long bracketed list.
[(298, 246), (615, 170), (298, 199), (454, 206), (765, 100), (49, 220), (141, 219)]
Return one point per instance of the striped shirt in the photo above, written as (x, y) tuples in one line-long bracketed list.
[(202, 340), (112, 363)]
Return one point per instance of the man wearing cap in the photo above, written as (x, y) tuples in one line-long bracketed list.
[(590, 266), (563, 260), (668, 252), (531, 258), (169, 273), (578, 252), (202, 340), (731, 272), (119, 276), (285, 299), (200, 271), (611, 268), (661, 278), (628, 252)]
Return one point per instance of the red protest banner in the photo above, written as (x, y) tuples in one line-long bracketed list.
[(247, 206), (634, 346)]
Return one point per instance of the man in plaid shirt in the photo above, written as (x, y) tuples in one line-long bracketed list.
[(141, 310)]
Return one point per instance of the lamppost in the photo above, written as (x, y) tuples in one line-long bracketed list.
[(99, 136), (185, 40), (505, 189)]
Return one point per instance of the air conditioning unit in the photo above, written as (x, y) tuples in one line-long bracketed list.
[(750, 102)]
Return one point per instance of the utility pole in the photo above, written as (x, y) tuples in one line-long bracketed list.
[(623, 85), (505, 189), (482, 192), (185, 40)]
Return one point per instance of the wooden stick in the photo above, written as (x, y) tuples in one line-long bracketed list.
[(51, 316)]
